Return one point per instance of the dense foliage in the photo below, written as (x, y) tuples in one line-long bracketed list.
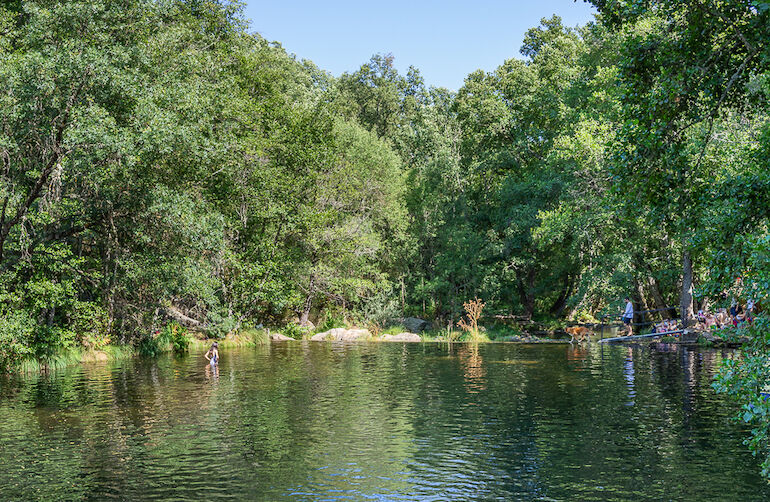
[(160, 163)]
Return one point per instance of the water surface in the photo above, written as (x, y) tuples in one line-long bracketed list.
[(328, 421)]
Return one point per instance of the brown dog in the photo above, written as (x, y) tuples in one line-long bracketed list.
[(579, 333)]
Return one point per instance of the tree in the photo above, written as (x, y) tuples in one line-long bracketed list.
[(682, 66)]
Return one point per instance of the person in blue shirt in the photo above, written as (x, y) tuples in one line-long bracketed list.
[(628, 316)]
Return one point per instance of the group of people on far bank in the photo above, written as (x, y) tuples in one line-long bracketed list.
[(705, 320)]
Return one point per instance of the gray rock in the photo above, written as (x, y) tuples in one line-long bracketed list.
[(401, 337), (415, 324), (278, 337), (342, 334)]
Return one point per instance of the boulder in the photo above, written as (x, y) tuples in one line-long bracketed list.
[(415, 324), (690, 335), (278, 337), (342, 334), (401, 337)]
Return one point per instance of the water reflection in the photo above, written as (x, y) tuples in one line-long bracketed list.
[(628, 372), (309, 421)]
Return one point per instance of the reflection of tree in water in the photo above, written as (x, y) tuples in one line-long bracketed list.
[(628, 373), (484, 421), (473, 366)]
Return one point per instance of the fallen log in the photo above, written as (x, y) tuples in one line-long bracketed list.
[(183, 319), (638, 337)]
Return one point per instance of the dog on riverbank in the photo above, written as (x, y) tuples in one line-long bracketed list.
[(579, 333)]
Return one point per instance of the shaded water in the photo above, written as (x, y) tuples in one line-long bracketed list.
[(326, 421)]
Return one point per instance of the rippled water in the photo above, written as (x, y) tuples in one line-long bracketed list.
[(324, 421)]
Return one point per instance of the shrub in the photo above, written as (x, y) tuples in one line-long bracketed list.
[(17, 331), (149, 346), (221, 325), (331, 321), (177, 336), (295, 331), (90, 324), (473, 310), (745, 379)]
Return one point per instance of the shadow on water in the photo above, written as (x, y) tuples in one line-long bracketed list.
[(336, 421)]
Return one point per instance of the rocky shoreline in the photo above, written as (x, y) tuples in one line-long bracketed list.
[(363, 335)]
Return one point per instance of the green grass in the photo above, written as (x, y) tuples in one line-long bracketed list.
[(480, 337), (442, 335), (394, 330), (72, 356), (63, 358), (245, 338)]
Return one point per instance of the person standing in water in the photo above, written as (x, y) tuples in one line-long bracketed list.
[(213, 354), (628, 316)]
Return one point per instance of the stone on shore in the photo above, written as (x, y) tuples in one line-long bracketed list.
[(415, 324), (401, 337), (278, 337), (342, 334)]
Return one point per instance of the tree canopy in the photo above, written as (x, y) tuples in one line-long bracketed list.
[(160, 162)]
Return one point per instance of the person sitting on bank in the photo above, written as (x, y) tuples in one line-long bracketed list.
[(628, 315), (710, 321), (737, 314), (750, 310)]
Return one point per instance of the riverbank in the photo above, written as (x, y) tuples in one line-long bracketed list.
[(63, 358), (69, 357), (251, 338)]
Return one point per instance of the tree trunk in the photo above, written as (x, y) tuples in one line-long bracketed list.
[(526, 296), (305, 316), (640, 301), (660, 303), (181, 317), (685, 304), (561, 302)]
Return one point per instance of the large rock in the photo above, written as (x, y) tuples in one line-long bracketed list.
[(342, 334), (415, 324), (401, 337), (278, 337)]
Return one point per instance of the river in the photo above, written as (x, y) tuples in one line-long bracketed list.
[(387, 421)]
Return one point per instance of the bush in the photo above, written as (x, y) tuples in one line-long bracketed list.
[(394, 330), (17, 331), (149, 345), (331, 321), (295, 331), (90, 324), (221, 325), (745, 379), (177, 336), (473, 309)]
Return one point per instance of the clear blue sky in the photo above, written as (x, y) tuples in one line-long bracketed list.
[(445, 40)]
